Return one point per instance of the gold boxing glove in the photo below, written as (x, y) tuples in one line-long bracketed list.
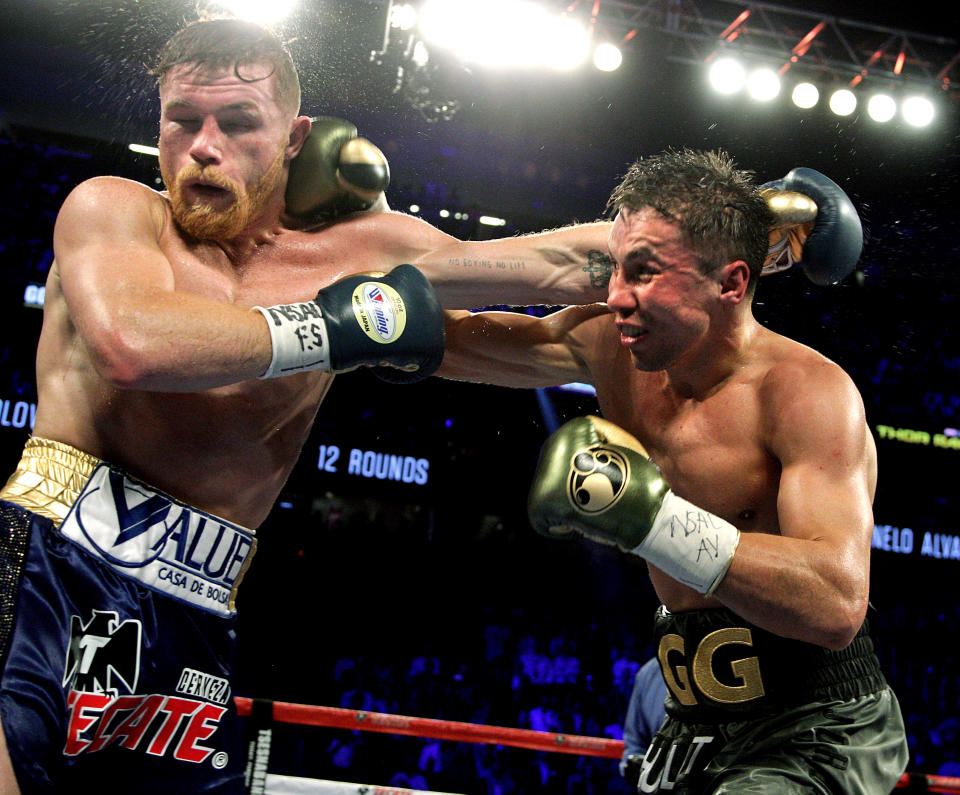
[(335, 172)]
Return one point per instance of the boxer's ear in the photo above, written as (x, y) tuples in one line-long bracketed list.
[(734, 282), (299, 130)]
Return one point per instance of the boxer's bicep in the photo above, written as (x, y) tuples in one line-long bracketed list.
[(810, 581), (107, 251), (513, 349), (822, 443), (120, 294), (827, 478)]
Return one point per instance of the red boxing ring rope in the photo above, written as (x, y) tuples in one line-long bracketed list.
[(337, 718)]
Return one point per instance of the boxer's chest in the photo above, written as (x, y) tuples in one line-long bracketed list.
[(292, 266), (711, 451)]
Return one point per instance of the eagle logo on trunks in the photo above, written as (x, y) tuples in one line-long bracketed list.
[(101, 673), (168, 546), (597, 478), (102, 654)]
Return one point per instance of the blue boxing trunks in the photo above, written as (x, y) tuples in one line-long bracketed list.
[(116, 632)]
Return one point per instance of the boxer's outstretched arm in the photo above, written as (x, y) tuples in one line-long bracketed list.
[(119, 290), (811, 582), (570, 265), (517, 350)]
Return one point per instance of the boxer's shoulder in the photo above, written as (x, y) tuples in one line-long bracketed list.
[(802, 389), (101, 189), (790, 364), (100, 202)]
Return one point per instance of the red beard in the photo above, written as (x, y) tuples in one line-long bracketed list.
[(206, 222)]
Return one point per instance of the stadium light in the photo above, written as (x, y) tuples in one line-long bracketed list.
[(143, 149), (420, 56), (918, 111), (805, 95), (727, 76), (504, 33), (403, 16), (563, 43), (263, 12), (843, 102), (607, 57), (763, 84), (881, 108)]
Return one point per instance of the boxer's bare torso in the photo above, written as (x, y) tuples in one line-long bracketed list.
[(746, 424), (229, 448), (150, 354), (714, 449)]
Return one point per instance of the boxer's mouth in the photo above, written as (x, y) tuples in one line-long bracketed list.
[(630, 333), (206, 189)]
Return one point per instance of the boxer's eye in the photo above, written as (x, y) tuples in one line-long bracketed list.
[(187, 125), (238, 124)]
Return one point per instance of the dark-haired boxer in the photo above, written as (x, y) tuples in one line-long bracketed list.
[(752, 501), (188, 339)]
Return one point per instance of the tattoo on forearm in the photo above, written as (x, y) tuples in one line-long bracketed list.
[(489, 264), (599, 267)]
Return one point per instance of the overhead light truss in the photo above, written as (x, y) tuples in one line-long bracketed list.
[(786, 38)]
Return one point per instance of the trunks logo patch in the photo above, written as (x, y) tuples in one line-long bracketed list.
[(155, 724), (665, 766), (101, 672), (165, 544), (597, 478), (103, 654), (206, 686), (742, 674)]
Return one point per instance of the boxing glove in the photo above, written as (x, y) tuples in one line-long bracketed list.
[(817, 228), (362, 320), (595, 479), (335, 172)]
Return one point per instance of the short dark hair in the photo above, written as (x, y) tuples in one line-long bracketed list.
[(219, 43), (717, 206)]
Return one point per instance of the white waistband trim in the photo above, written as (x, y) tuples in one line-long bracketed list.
[(167, 545)]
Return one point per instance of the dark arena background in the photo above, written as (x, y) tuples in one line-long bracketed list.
[(398, 573)]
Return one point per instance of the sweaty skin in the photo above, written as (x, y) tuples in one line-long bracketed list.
[(149, 353), (747, 424)]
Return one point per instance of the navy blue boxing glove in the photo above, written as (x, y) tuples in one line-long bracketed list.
[(393, 320), (817, 227)]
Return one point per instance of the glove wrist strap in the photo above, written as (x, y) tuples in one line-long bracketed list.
[(690, 544), (298, 335)]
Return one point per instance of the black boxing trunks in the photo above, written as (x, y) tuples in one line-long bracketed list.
[(752, 712), (116, 632)]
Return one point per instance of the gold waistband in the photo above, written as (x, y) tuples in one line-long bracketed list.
[(49, 477)]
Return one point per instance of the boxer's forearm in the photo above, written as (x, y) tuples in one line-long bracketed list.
[(516, 350), (564, 266), (179, 343), (798, 588)]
